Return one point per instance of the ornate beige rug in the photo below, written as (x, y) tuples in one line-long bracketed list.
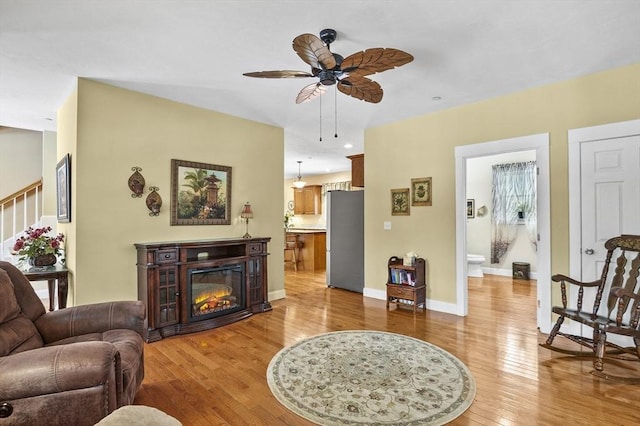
[(370, 377)]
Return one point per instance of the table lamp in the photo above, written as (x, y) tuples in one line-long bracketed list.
[(246, 215)]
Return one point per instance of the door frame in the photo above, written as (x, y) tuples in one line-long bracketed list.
[(576, 137), (539, 143)]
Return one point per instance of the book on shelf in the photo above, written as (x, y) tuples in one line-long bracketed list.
[(411, 279), (402, 277)]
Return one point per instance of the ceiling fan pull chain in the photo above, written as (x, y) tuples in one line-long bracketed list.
[(320, 98), (335, 97)]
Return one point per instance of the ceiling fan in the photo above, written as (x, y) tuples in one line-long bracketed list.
[(330, 68)]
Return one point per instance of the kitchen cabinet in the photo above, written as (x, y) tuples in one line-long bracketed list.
[(312, 248), (307, 200), (357, 170)]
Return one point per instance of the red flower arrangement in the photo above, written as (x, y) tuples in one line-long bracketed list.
[(37, 243)]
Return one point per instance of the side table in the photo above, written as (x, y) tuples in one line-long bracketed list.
[(51, 274)]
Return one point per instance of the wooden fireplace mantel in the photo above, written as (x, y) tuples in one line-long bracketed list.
[(162, 280)]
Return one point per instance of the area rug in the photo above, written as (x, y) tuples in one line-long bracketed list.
[(370, 377)]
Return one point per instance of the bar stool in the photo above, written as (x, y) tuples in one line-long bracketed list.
[(291, 243)]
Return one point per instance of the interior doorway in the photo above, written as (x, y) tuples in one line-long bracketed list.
[(540, 144)]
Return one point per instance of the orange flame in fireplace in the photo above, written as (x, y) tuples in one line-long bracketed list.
[(214, 299)]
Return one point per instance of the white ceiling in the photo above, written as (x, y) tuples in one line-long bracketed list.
[(196, 51)]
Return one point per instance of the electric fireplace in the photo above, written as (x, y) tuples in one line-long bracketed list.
[(215, 291), (196, 285)]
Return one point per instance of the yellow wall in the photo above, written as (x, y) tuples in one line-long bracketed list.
[(49, 163), (67, 123), (19, 144), (424, 146), (118, 129), (20, 166)]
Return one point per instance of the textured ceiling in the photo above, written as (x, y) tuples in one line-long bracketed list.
[(196, 51)]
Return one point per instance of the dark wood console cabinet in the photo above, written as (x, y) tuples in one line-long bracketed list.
[(162, 281)]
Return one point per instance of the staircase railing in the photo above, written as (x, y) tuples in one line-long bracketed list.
[(18, 211)]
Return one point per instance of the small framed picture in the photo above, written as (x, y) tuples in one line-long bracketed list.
[(63, 189), (400, 202), (471, 208), (421, 191)]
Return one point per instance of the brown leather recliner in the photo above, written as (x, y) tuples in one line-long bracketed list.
[(67, 367)]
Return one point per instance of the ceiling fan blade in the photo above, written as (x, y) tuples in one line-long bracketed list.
[(374, 60), (278, 74), (361, 88), (313, 51), (310, 92)]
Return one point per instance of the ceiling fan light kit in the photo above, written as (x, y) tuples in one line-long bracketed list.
[(348, 74)]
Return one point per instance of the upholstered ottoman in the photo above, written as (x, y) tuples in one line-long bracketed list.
[(138, 415)]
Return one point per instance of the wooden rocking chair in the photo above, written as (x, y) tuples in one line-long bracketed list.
[(622, 308)]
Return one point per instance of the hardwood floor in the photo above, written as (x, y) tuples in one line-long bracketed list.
[(218, 377)]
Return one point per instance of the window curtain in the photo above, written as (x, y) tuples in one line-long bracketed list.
[(513, 194), (332, 186)]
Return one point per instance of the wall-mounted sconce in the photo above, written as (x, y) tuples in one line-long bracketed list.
[(154, 201), (246, 214), (136, 182)]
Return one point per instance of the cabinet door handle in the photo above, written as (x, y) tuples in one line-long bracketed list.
[(177, 293), (589, 251), (167, 256)]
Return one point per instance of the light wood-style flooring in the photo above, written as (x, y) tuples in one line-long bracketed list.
[(217, 377)]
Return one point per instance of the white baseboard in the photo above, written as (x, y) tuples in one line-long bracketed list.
[(444, 307), (432, 305), (374, 294), (505, 272), (277, 294)]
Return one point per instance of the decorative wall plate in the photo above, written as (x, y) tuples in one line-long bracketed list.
[(136, 182), (154, 201)]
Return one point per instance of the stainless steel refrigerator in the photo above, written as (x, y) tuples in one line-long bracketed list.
[(345, 240)]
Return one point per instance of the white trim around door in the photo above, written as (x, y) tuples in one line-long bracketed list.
[(539, 143)]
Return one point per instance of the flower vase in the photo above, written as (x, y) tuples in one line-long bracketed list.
[(43, 260)]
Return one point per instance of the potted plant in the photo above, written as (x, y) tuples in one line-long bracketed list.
[(37, 248), (287, 219)]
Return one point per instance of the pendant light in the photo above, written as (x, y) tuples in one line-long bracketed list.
[(299, 183)]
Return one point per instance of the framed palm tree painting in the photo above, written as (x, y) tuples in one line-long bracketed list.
[(200, 193)]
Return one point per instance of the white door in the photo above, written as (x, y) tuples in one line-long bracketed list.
[(604, 191), (610, 189)]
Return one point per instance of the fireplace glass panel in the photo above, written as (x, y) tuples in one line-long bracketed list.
[(216, 291)]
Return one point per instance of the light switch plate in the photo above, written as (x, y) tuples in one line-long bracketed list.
[(387, 226)]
